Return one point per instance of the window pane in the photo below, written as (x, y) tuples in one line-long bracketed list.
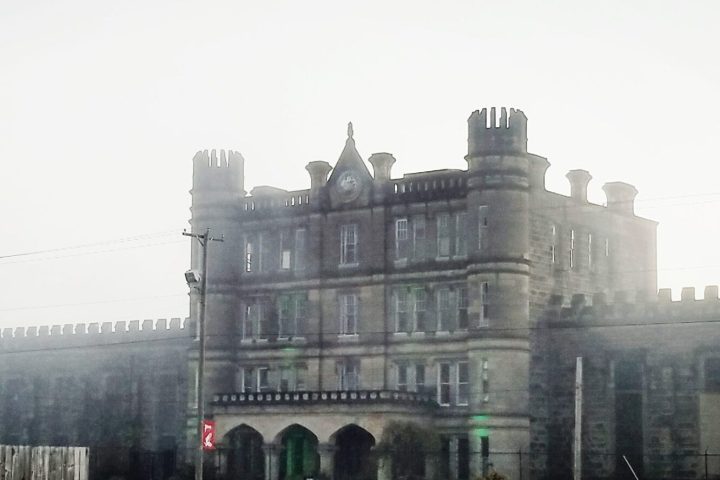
[(300, 249), (462, 307), (420, 378), (418, 238), (443, 235), (420, 307), (402, 378), (460, 240)]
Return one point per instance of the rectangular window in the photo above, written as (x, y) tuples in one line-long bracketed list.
[(252, 321), (249, 255), (444, 309), (443, 235), (420, 378), (285, 381), (285, 250), (300, 249), (460, 240), (348, 375), (402, 241), (418, 227), (484, 304), (300, 375), (462, 307), (348, 314), (485, 380), (291, 314), (607, 247), (553, 244), (589, 251), (263, 385), (247, 377), (482, 226), (259, 260), (402, 378), (401, 310), (348, 244), (444, 384), (463, 456), (453, 383), (419, 309), (463, 383), (572, 249)]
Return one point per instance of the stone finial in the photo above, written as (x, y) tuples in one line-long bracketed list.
[(620, 197), (382, 165), (350, 130), (579, 180)]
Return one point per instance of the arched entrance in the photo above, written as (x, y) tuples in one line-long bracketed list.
[(299, 456), (354, 459), (244, 454)]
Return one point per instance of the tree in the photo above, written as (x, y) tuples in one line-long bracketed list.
[(407, 444)]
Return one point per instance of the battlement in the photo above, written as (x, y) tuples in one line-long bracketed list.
[(490, 135), (275, 199), (94, 334), (634, 308), (218, 171)]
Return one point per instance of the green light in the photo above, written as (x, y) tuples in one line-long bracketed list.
[(481, 432), (480, 418)]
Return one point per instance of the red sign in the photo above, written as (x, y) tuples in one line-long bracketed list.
[(208, 435)]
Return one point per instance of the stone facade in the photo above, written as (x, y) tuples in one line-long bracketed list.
[(120, 389), (431, 283)]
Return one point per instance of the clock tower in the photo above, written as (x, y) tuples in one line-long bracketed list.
[(350, 183)]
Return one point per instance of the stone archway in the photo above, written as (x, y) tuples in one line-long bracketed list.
[(243, 452), (354, 459), (299, 454)]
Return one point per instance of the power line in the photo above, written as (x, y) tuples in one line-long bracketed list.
[(144, 236)]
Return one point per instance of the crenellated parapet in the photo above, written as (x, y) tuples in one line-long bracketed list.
[(219, 171), (94, 334), (490, 135), (633, 308)]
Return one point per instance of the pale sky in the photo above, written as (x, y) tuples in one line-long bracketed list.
[(103, 105)]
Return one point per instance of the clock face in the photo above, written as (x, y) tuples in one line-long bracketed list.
[(348, 186)]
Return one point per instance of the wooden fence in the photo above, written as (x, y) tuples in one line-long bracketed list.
[(43, 463)]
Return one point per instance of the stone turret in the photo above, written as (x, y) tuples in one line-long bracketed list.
[(217, 193), (498, 214), (488, 136)]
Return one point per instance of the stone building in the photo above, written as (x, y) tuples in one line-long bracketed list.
[(364, 299), (457, 300)]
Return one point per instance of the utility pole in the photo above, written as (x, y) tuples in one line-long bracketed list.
[(577, 444), (204, 240)]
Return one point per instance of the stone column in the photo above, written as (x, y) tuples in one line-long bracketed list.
[(453, 460), (327, 458), (431, 466), (272, 460), (384, 468)]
